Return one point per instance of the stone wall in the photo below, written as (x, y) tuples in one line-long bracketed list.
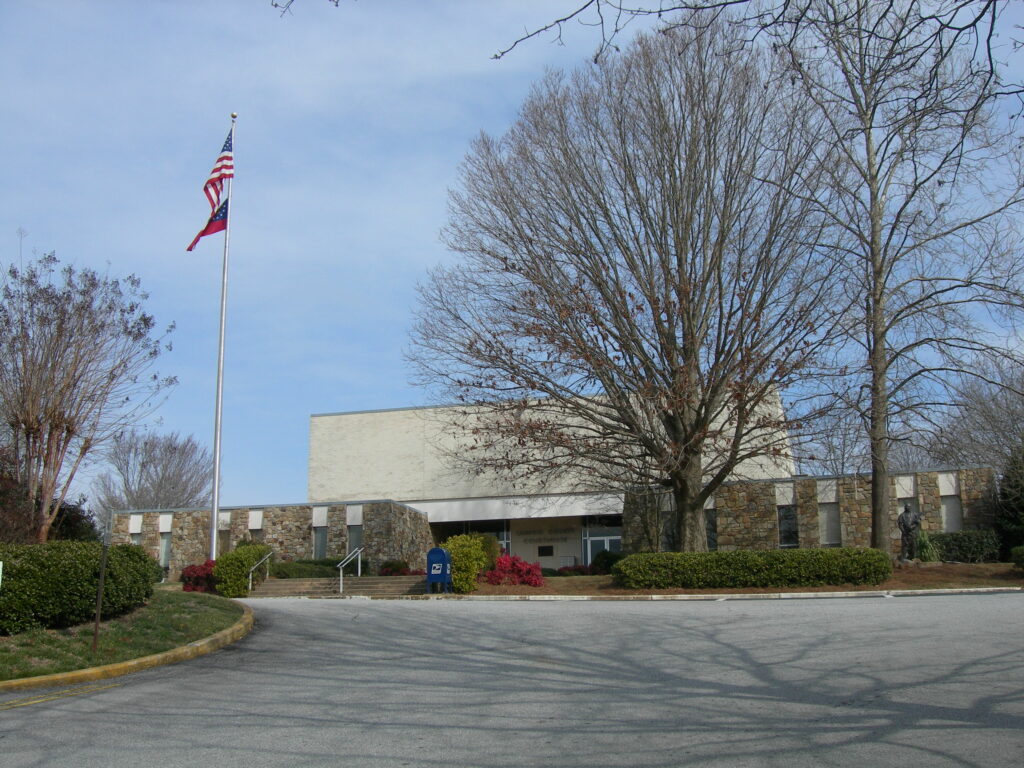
[(390, 532), (647, 524), (747, 511), (287, 529), (190, 539), (977, 489), (395, 532), (929, 502), (747, 516)]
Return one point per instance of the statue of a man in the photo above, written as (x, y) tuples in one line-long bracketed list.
[(909, 524)]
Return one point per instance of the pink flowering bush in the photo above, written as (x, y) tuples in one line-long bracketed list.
[(512, 569), (199, 578)]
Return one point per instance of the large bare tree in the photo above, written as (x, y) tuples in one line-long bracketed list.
[(76, 350), (643, 272), (927, 192), (986, 425), (154, 471)]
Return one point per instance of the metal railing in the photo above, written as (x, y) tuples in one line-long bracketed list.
[(357, 555), (261, 562)]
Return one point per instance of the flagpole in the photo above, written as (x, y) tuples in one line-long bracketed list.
[(215, 514)]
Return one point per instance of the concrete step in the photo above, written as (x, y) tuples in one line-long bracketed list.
[(365, 586)]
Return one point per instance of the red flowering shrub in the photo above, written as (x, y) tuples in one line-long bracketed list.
[(512, 569), (399, 568), (199, 578)]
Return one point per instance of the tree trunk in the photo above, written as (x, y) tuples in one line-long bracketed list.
[(691, 526), (877, 337)]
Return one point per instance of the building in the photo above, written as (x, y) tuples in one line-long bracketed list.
[(380, 480)]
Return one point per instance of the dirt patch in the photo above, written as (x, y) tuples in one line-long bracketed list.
[(925, 576)]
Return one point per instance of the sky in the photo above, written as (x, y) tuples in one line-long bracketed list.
[(352, 123)]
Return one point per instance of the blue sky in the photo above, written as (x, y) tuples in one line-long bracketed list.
[(352, 123)]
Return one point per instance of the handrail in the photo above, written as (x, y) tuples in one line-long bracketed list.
[(261, 562), (355, 553)]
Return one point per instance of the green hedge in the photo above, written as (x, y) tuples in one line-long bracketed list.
[(769, 568), (297, 570), (232, 570), (967, 546), (54, 585), (469, 559), (1017, 556)]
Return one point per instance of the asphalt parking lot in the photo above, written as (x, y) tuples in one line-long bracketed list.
[(931, 680)]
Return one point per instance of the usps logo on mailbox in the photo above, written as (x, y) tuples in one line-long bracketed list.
[(435, 569)]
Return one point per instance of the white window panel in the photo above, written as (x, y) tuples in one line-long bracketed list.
[(827, 491), (319, 517), (135, 524), (905, 487), (785, 494), (166, 521), (255, 519), (949, 483), (952, 514)]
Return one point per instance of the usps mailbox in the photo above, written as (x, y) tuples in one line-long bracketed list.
[(439, 570)]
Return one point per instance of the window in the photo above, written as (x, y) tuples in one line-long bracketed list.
[(789, 532), (320, 542), (165, 549), (601, 533), (546, 551), (137, 539), (355, 537), (711, 527), (952, 514), (828, 524)]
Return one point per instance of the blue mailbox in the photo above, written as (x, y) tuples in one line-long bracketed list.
[(439, 570)]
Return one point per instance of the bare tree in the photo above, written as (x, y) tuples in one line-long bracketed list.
[(927, 191), (75, 354), (950, 23), (986, 425), (642, 274), (152, 471)]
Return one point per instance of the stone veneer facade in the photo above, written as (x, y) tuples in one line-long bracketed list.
[(390, 532), (747, 512), (395, 532)]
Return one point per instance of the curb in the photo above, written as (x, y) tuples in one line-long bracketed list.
[(720, 597), (235, 632)]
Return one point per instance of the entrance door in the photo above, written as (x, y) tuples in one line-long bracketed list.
[(602, 543)]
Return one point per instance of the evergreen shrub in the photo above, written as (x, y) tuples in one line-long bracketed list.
[(232, 569), (766, 568), (302, 570), (967, 546), (1017, 556), (491, 547), (54, 585), (574, 570), (604, 560), (468, 560)]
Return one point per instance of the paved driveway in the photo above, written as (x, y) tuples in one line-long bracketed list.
[(935, 681)]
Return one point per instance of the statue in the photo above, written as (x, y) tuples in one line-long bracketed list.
[(909, 524)]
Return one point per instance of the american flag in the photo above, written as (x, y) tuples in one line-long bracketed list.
[(224, 168)]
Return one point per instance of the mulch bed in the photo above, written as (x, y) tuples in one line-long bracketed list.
[(916, 576)]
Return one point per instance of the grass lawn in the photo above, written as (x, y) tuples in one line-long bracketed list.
[(924, 576), (171, 618)]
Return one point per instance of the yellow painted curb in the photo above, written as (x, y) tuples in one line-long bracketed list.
[(235, 632)]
